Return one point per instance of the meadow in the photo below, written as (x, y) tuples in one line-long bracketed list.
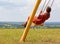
[(35, 36)]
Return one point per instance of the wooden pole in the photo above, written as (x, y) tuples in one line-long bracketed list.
[(30, 21)]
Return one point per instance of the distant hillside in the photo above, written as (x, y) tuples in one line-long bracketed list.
[(18, 25)]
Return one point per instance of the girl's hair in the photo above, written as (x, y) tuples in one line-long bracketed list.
[(48, 9)]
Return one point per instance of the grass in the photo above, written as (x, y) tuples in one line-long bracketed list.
[(36, 36)]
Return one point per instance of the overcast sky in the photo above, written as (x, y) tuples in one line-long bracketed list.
[(19, 10)]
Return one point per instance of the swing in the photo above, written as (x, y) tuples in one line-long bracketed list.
[(42, 24)]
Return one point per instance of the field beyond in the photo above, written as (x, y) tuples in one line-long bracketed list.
[(35, 36)]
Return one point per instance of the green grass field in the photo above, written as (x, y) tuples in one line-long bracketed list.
[(35, 36)]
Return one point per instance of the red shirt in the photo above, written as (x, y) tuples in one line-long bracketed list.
[(41, 18)]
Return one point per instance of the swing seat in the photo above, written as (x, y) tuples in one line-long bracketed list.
[(37, 22), (33, 24)]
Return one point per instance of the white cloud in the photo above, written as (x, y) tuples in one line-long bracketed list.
[(19, 10)]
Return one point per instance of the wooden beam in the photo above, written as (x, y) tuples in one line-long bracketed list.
[(30, 20)]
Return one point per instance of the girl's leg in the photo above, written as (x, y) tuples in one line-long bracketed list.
[(26, 22)]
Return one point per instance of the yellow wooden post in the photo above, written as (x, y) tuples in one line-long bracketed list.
[(30, 20)]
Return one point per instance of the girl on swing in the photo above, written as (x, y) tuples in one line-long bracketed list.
[(41, 18)]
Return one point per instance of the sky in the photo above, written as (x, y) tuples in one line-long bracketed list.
[(19, 10)]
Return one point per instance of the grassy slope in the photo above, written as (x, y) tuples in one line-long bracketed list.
[(37, 36)]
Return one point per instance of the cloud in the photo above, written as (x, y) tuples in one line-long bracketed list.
[(19, 10), (8, 5), (12, 11)]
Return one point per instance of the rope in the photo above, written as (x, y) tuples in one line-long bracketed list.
[(52, 3), (46, 5), (43, 5)]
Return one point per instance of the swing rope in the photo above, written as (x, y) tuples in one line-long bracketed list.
[(46, 5), (43, 6), (52, 3), (43, 9)]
